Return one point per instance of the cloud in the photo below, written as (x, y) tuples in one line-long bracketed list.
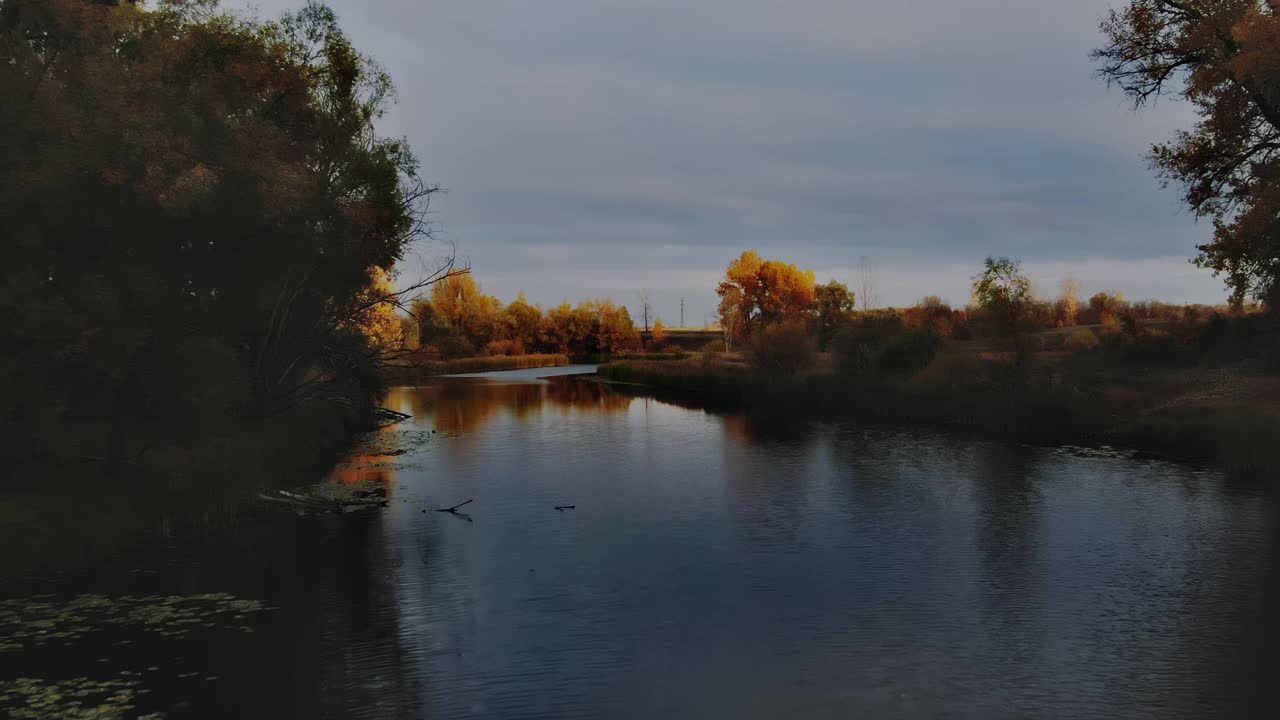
[(646, 143)]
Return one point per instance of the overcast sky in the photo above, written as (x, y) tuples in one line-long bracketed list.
[(598, 147)]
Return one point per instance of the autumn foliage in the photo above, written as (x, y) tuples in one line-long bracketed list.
[(179, 182), (756, 293), (459, 320), (1222, 57)]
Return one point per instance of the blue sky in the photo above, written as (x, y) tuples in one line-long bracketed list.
[(601, 147)]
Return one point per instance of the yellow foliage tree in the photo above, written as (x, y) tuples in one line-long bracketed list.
[(659, 335), (758, 292), (1070, 301), (378, 318), (458, 301)]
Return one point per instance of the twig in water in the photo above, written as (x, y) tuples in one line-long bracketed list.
[(454, 509), (566, 507)]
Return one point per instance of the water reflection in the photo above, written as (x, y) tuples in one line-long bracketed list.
[(713, 567), (460, 405)]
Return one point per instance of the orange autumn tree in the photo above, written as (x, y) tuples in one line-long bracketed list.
[(756, 293), (659, 335)]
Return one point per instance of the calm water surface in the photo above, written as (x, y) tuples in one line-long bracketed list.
[(713, 567)]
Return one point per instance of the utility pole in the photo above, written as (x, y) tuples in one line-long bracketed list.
[(681, 312)]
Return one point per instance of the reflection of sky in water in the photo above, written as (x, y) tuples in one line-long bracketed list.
[(725, 566), (529, 374), (713, 567)]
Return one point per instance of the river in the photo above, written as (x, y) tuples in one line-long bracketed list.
[(711, 566)]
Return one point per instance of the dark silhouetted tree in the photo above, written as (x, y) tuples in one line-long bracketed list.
[(1221, 56)]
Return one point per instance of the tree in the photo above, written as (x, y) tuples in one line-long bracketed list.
[(1070, 301), (520, 322), (833, 303), (659, 336), (868, 282), (931, 314), (1221, 57), (615, 332), (231, 194), (1004, 291), (727, 314), (378, 320), (562, 329), (458, 301), (646, 306), (1107, 308), (766, 291)]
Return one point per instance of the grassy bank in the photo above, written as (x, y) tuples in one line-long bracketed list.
[(432, 368), (1188, 415)]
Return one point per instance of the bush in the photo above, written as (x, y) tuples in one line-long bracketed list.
[(1081, 340), (455, 346), (504, 347), (908, 353), (857, 343), (1111, 325), (783, 350)]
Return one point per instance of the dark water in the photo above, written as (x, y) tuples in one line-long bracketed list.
[(713, 567)]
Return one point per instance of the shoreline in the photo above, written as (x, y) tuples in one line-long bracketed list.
[(1232, 437)]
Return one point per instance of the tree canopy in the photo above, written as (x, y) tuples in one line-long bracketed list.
[(183, 175), (1003, 290), (1224, 58), (757, 292)]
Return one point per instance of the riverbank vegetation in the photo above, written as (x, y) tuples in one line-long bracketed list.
[(410, 372), (1193, 382), (1187, 380), (458, 321), (201, 229)]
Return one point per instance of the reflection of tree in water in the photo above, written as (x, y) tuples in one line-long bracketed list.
[(768, 472), (364, 470), (462, 405), (1007, 499), (1228, 624), (1007, 513), (769, 428), (331, 645)]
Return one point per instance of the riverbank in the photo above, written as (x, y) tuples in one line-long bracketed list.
[(59, 512), (412, 372), (1225, 417)]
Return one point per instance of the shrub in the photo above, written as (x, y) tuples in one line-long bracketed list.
[(455, 346), (908, 353), (782, 350), (1081, 340), (1111, 325), (504, 347)]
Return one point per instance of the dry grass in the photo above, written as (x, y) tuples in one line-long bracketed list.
[(409, 373)]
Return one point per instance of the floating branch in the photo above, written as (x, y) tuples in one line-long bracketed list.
[(301, 501), (389, 417), (566, 507), (454, 509)]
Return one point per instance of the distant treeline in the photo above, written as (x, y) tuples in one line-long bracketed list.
[(200, 223), (460, 321), (773, 308)]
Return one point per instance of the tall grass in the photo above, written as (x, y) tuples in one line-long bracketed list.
[(409, 373), (1008, 406)]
